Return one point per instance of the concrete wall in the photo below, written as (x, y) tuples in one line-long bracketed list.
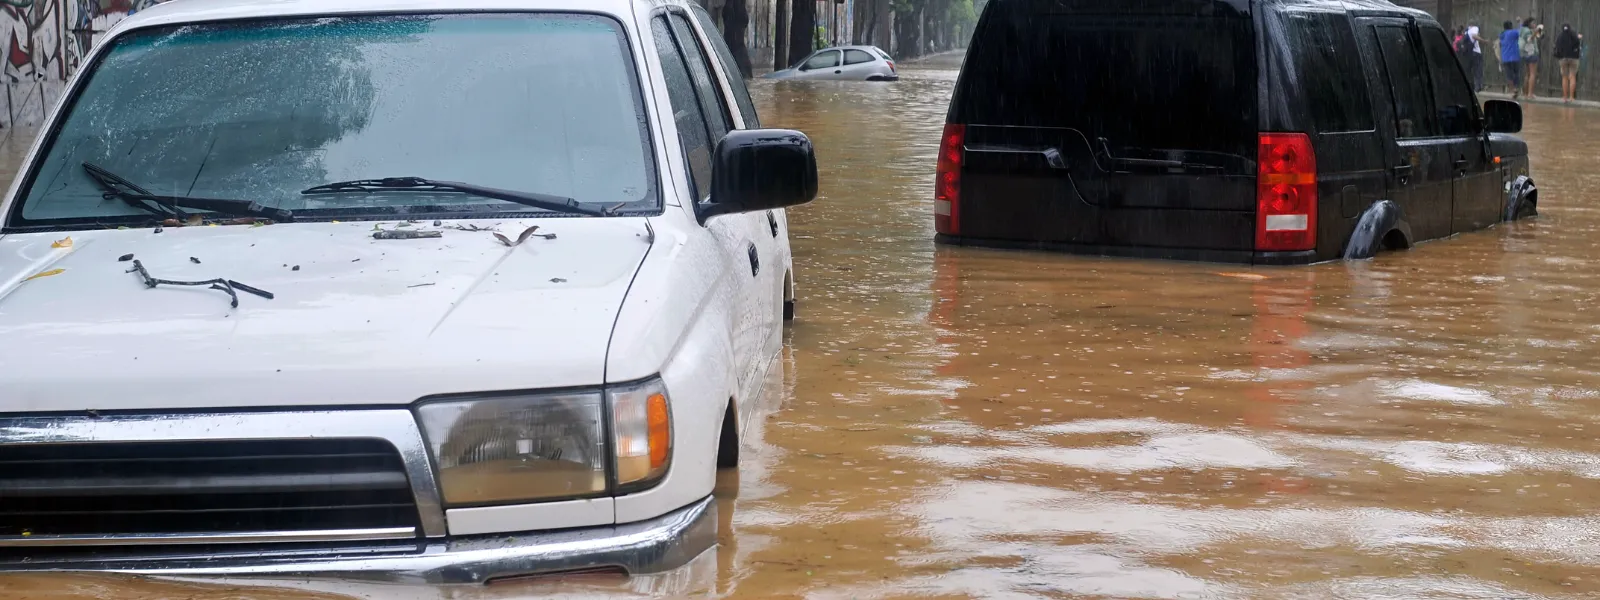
[(45, 42), (1490, 15)]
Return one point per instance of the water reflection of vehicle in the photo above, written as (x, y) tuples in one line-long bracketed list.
[(1221, 130), (380, 385)]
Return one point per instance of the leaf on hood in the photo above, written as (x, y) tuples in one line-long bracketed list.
[(65, 242), (503, 239), (50, 273), (526, 233), (195, 221)]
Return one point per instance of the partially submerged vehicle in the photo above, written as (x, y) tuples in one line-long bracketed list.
[(1245, 131), (444, 291)]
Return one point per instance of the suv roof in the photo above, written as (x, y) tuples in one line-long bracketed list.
[(193, 11)]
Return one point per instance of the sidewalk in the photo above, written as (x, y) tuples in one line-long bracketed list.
[(1553, 101)]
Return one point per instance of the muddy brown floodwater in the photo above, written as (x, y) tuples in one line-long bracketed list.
[(967, 423)]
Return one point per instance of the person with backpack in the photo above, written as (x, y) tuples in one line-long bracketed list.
[(1528, 43), (1569, 49)]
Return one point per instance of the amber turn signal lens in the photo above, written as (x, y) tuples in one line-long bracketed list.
[(642, 425), (660, 431)]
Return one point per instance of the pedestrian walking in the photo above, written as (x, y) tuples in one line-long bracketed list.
[(1510, 58), (1569, 50), (1528, 43), (1475, 58)]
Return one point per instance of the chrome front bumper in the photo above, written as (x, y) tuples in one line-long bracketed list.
[(424, 554), (660, 544)]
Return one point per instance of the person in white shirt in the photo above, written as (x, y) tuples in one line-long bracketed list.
[(1475, 58)]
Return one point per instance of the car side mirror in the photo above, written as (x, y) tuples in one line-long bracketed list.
[(1502, 116), (760, 169)]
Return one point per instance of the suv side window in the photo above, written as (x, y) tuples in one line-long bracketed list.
[(1454, 103), (741, 92), (710, 93), (1330, 71), (856, 57), (1408, 82), (693, 132)]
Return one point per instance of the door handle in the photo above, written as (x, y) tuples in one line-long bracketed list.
[(838, 71), (1461, 165), (1403, 172)]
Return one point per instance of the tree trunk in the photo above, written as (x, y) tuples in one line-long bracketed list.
[(882, 36), (780, 37), (802, 30), (735, 22), (860, 20), (908, 30)]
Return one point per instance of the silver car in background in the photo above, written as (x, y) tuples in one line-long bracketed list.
[(843, 63)]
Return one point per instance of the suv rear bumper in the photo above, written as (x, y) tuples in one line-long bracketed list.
[(1246, 257), (661, 544)]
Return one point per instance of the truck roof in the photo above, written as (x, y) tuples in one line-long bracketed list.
[(179, 12)]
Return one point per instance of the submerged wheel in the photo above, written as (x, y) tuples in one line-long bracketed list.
[(1527, 209)]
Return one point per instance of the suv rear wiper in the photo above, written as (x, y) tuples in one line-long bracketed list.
[(172, 206), (1154, 163), (417, 184)]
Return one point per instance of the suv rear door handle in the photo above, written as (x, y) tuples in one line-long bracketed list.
[(1403, 172), (1461, 164)]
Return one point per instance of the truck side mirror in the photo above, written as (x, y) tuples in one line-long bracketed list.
[(760, 169), (1502, 116)]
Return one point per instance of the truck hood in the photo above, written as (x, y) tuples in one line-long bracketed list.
[(354, 321)]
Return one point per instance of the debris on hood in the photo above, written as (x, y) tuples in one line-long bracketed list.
[(62, 243), (194, 260), (526, 233), (222, 285), (125, 258), (392, 234), (44, 274)]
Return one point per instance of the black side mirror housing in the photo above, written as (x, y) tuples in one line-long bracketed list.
[(1502, 116), (760, 169)]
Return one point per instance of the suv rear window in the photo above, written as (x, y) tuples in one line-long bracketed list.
[(1330, 75), (1179, 74)]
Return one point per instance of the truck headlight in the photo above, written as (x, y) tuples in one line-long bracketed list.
[(514, 449), (534, 447)]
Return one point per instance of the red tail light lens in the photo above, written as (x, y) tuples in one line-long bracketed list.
[(947, 182), (891, 65), (1286, 193)]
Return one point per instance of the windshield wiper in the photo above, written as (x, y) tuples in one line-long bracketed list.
[(172, 206), (417, 184), (1152, 163)]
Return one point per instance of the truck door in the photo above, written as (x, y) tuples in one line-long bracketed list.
[(1477, 187), (1422, 173)]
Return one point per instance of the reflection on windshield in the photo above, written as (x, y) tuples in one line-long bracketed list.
[(262, 110)]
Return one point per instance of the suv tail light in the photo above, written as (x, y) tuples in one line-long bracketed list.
[(947, 182), (1286, 193), (891, 65)]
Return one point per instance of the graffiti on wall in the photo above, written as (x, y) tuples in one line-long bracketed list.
[(45, 42)]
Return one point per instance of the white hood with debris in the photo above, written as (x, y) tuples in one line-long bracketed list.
[(353, 320)]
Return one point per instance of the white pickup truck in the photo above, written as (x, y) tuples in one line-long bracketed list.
[(405, 290)]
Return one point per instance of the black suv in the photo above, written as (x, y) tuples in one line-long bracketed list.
[(1246, 131)]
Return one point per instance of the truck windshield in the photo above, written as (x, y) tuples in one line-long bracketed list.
[(261, 110)]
